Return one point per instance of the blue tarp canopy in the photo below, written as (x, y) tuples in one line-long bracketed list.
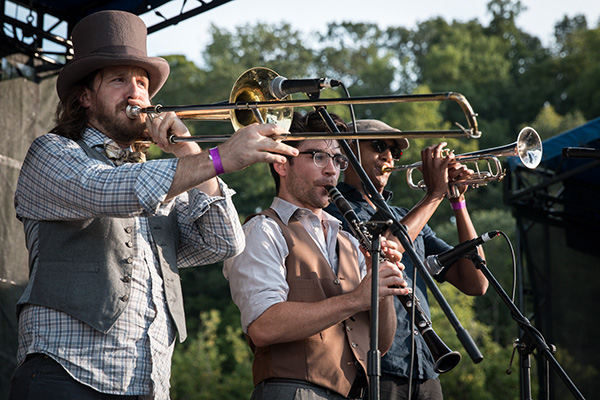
[(562, 191), (587, 135)]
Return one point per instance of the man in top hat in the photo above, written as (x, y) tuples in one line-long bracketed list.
[(107, 232), (438, 171)]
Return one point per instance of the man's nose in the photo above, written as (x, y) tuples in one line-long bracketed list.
[(330, 168), (134, 89)]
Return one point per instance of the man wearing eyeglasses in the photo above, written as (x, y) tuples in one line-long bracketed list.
[(302, 284), (396, 381)]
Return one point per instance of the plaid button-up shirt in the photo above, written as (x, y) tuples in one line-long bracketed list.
[(59, 182)]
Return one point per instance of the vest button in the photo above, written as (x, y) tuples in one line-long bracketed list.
[(336, 281), (124, 298), (354, 344), (126, 279), (129, 260), (129, 244), (128, 229)]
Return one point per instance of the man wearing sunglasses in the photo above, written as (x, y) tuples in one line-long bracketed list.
[(437, 172), (302, 284)]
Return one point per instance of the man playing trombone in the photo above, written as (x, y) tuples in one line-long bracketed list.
[(107, 232), (438, 171)]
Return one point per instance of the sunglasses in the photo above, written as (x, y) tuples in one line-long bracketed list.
[(380, 146), (321, 159)]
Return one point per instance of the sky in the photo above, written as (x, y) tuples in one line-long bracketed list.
[(191, 36)]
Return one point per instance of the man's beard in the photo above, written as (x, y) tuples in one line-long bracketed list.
[(308, 194), (117, 126)]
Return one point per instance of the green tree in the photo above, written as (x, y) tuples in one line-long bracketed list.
[(490, 309), (549, 123), (486, 380), (278, 47), (213, 364), (578, 77)]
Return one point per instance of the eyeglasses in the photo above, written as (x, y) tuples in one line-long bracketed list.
[(380, 146), (321, 159)]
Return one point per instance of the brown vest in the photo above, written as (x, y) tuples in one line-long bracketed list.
[(332, 357)]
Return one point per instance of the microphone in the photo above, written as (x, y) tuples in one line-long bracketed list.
[(580, 152), (435, 264), (281, 87)]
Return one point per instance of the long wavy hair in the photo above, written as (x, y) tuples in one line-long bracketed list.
[(71, 117)]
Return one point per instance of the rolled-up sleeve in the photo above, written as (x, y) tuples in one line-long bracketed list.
[(210, 223), (59, 181), (257, 277)]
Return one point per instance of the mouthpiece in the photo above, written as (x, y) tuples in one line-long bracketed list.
[(133, 111)]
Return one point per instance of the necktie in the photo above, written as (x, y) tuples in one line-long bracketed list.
[(119, 155)]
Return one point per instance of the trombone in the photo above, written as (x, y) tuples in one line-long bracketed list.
[(528, 147), (251, 101)]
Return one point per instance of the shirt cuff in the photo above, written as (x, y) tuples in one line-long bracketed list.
[(200, 202), (153, 184)]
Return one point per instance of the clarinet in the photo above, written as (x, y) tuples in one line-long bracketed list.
[(445, 359)]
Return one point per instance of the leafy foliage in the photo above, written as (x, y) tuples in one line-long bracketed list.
[(486, 380), (213, 365)]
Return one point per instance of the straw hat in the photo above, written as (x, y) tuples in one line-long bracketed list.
[(106, 39), (374, 125)]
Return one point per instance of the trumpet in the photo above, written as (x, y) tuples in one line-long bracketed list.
[(528, 147), (251, 101)]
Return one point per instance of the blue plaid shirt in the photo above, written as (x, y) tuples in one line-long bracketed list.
[(58, 181)]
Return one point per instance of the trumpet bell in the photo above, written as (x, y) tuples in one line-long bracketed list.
[(251, 87), (529, 147)]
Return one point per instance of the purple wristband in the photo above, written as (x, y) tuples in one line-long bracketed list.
[(215, 157), (458, 205)]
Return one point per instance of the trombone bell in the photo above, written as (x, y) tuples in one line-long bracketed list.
[(252, 87)]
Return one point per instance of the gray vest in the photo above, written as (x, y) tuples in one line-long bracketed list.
[(84, 266)]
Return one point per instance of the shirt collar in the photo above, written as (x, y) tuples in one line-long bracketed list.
[(285, 210)]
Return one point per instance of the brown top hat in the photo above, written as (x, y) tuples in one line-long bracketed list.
[(374, 125), (106, 39)]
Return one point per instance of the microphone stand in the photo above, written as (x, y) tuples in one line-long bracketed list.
[(374, 356), (400, 232), (529, 341)]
